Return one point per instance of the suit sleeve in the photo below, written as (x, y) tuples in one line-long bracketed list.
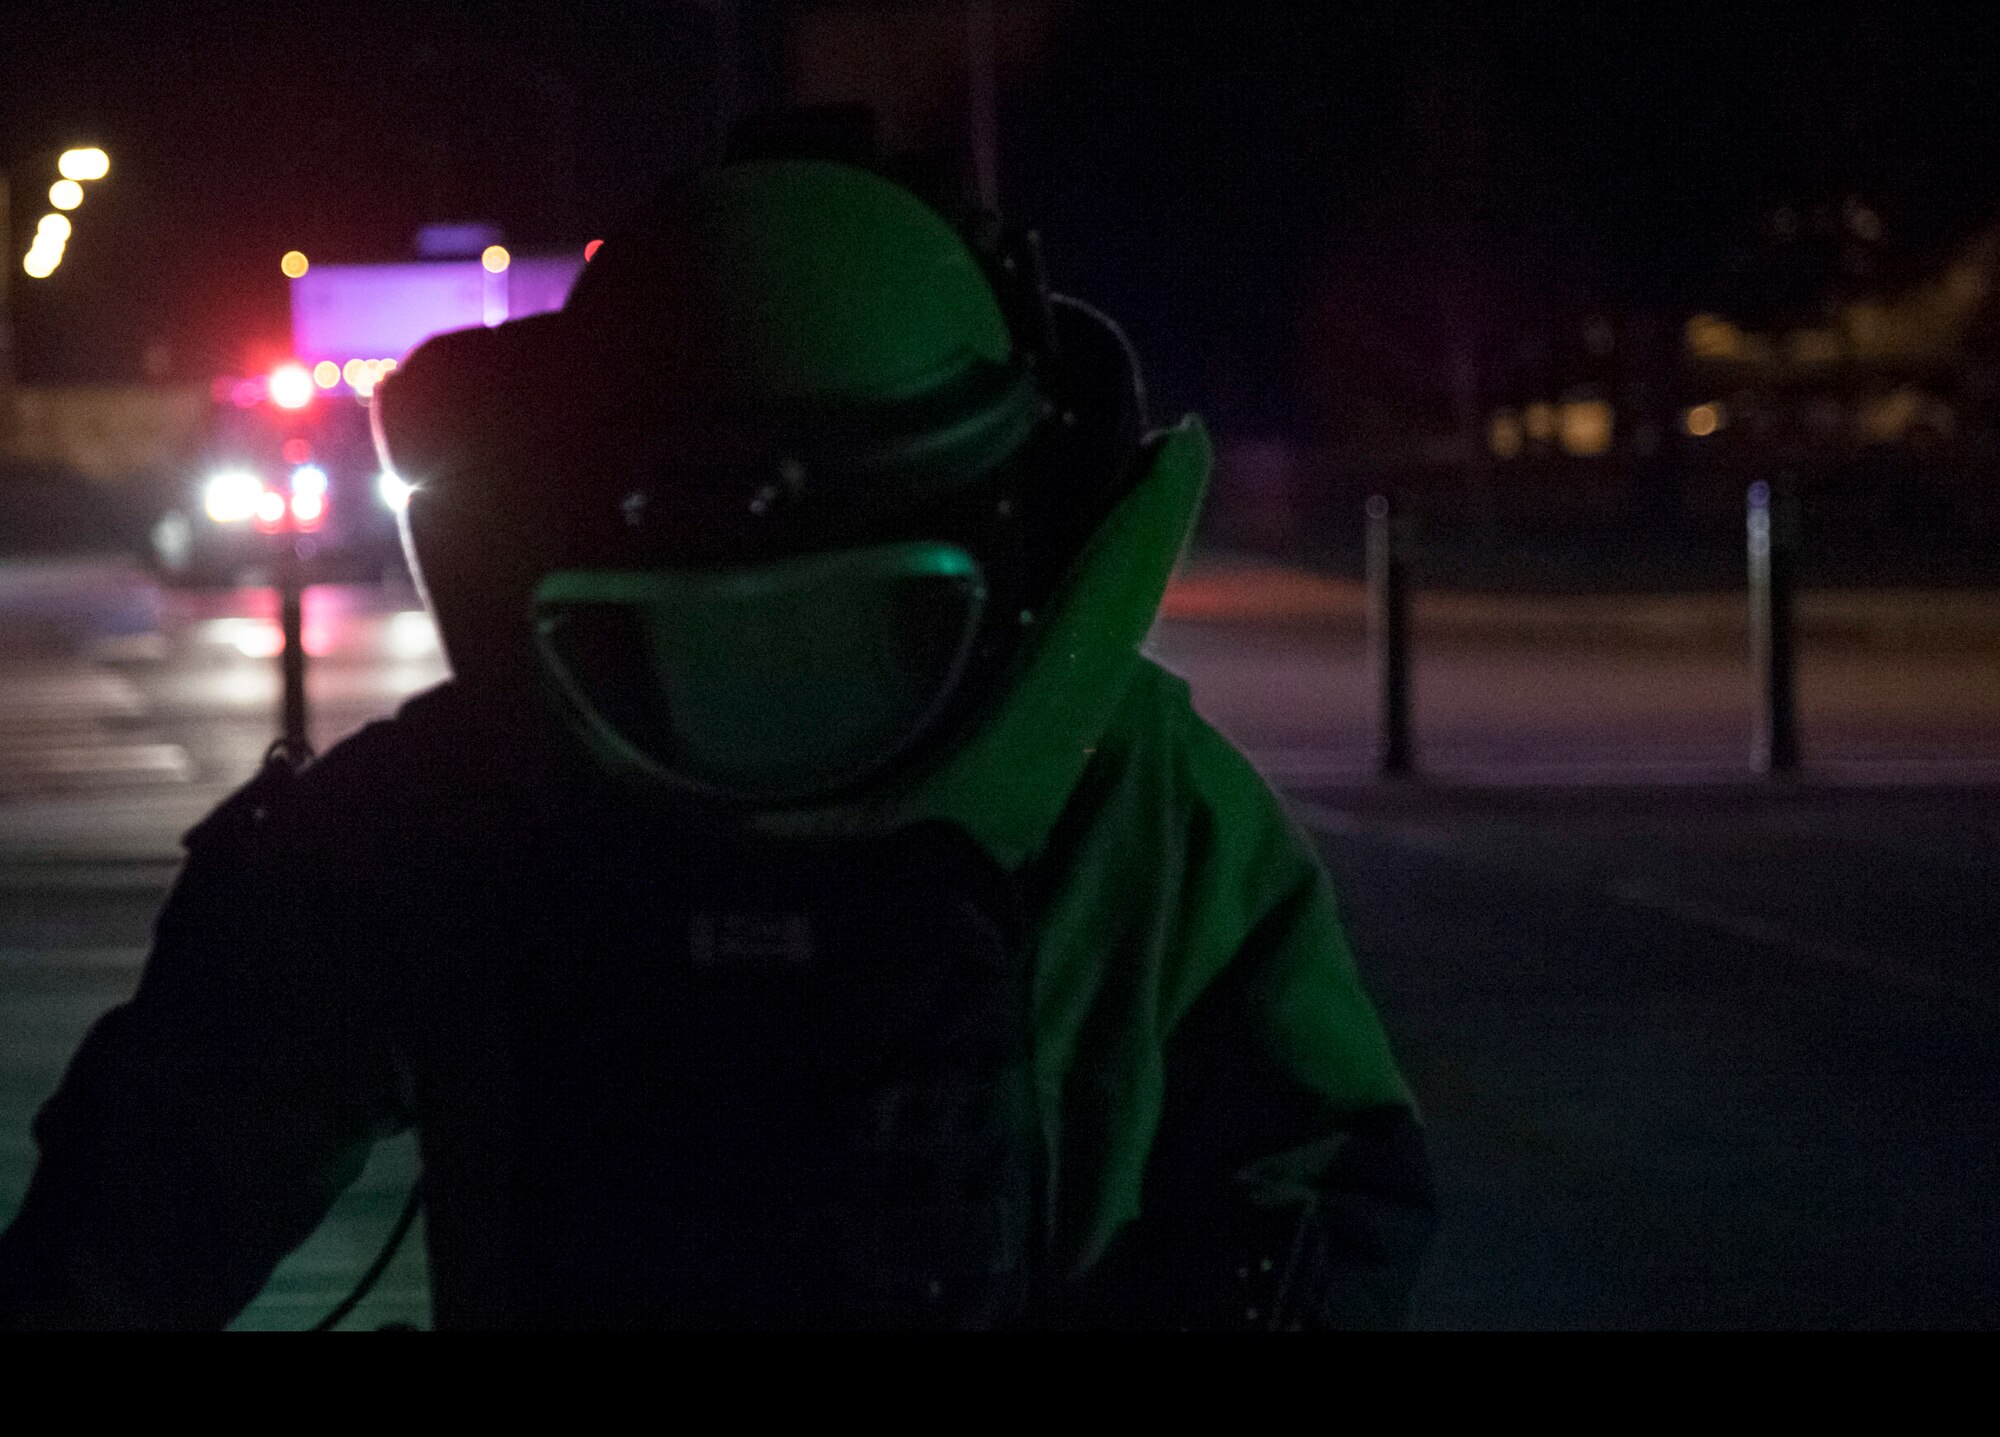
[(1275, 1201), (1288, 1185), (204, 1128)]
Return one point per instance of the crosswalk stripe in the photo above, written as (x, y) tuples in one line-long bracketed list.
[(109, 959), (155, 761), (73, 725), (35, 691)]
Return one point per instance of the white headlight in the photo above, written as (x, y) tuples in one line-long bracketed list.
[(308, 479), (394, 492), (232, 496)]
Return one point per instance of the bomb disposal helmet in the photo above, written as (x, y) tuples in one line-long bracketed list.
[(768, 505)]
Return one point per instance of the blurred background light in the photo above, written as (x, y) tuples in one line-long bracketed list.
[(410, 634), (326, 374), (252, 638), (291, 386), (294, 264), (308, 479), (85, 164), (496, 259), (261, 638), (232, 496), (1704, 419), (1586, 427), (57, 226), (1710, 336), (65, 194)]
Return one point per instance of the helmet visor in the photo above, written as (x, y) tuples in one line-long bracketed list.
[(764, 684)]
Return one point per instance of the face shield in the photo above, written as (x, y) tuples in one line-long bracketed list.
[(762, 684), (767, 610)]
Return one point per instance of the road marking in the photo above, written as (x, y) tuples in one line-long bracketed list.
[(75, 726), (35, 691), (115, 761), (1332, 767), (117, 958), (1646, 895), (128, 648), (134, 826), (22, 873)]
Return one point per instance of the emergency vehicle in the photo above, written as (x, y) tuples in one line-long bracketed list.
[(287, 458)]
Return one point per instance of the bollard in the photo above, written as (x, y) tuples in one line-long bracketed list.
[(292, 658), (1389, 639), (1774, 542)]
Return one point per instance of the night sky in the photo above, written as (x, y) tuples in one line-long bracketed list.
[(1204, 170)]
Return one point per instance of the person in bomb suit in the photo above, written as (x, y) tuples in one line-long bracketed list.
[(804, 907)]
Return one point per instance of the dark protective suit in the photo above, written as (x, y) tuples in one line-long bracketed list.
[(1061, 1031)]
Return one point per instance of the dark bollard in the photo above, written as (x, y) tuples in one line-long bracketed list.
[(1774, 542), (292, 659), (1389, 638)]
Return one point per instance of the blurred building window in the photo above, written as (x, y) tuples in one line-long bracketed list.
[(1705, 419), (1586, 426), (1814, 346), (1886, 418), (1710, 336)]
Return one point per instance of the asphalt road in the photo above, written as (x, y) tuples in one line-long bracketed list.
[(1715, 1059), (1530, 710), (1696, 1051)]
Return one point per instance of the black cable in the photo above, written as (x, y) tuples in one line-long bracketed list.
[(379, 1266)]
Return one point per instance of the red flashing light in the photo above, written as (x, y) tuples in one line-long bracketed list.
[(297, 451)]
